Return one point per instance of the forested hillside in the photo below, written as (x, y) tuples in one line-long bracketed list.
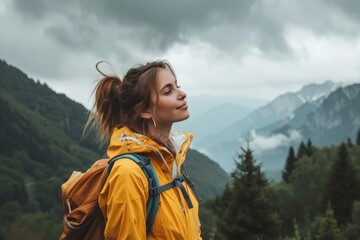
[(40, 145), (62, 112), (318, 198), (36, 157)]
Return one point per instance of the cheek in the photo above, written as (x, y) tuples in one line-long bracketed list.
[(164, 104), (164, 109)]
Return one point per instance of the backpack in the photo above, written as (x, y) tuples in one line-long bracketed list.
[(83, 218)]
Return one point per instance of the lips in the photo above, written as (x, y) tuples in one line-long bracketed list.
[(182, 106)]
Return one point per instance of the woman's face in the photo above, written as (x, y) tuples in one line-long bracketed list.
[(171, 105)]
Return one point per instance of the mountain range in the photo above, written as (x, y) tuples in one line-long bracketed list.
[(337, 118), (279, 108), (325, 113)]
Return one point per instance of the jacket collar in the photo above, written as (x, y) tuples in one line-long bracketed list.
[(125, 141)]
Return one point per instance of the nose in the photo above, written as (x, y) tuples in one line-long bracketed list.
[(182, 95)]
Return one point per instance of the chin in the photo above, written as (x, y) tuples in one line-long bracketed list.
[(184, 118)]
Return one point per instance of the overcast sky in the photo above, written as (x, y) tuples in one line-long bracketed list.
[(250, 48)]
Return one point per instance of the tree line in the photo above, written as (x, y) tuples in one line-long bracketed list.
[(317, 199)]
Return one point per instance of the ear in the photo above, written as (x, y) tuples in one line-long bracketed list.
[(145, 115)]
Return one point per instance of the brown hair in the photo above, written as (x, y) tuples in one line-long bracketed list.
[(120, 103)]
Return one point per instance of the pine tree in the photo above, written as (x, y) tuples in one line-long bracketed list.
[(250, 214), (358, 138), (302, 150), (342, 186), (328, 227), (289, 165), (310, 149)]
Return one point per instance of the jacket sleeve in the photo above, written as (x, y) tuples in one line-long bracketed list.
[(123, 202)]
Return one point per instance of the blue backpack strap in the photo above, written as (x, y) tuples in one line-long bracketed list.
[(177, 182), (190, 183), (152, 204)]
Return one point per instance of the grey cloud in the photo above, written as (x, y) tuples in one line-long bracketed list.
[(158, 24), (227, 25), (349, 7), (82, 40), (38, 9)]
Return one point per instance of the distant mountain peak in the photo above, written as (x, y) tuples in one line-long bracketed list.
[(337, 118), (314, 91)]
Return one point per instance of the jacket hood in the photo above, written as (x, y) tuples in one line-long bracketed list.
[(125, 141)]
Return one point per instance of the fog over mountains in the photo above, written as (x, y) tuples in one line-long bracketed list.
[(326, 113)]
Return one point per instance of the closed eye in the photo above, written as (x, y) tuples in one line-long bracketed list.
[(167, 91), (169, 88)]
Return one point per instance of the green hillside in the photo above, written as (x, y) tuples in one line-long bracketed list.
[(41, 144), (62, 112), (36, 157)]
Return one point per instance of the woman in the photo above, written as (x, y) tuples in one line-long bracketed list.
[(136, 116)]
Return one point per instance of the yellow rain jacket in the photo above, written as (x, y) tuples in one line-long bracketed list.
[(125, 193)]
